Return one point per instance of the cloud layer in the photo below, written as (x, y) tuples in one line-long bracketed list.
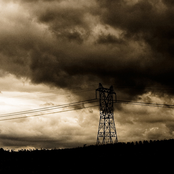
[(77, 44), (65, 43)]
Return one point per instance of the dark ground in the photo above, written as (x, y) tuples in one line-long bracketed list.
[(123, 158)]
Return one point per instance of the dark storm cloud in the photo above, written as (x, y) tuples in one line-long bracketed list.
[(65, 23), (152, 23), (27, 51), (56, 44)]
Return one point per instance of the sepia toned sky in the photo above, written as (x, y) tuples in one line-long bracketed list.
[(57, 51)]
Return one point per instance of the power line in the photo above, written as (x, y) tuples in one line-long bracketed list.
[(145, 104), (76, 104), (48, 108), (47, 113), (85, 101)]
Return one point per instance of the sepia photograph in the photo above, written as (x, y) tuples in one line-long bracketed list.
[(86, 84)]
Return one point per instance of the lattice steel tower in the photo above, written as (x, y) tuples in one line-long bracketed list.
[(106, 129)]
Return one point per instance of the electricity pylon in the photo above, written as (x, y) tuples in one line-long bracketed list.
[(106, 129)]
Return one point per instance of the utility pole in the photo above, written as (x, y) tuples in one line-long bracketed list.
[(106, 129)]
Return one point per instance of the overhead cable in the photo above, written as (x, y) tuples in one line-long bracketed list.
[(46, 113), (48, 108)]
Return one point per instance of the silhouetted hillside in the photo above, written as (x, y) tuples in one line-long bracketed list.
[(123, 158)]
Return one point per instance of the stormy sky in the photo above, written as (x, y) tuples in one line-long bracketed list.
[(58, 51)]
